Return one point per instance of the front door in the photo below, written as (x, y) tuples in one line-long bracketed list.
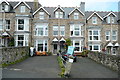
[(55, 48)]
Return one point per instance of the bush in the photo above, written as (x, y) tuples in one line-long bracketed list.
[(49, 53), (84, 53)]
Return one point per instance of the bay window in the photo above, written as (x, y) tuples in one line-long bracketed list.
[(20, 24), (41, 31), (75, 30), (7, 24), (94, 35)]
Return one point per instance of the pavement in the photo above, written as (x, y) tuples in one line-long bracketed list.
[(33, 67), (87, 68)]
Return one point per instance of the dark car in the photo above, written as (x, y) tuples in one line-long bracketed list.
[(65, 56)]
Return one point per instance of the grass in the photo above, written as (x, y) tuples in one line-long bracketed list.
[(61, 66), (17, 61)]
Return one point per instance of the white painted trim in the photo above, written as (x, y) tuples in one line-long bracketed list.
[(59, 7), (78, 10), (110, 14), (5, 1), (39, 9), (96, 14), (20, 3)]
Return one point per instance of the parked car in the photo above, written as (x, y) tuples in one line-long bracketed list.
[(65, 56)]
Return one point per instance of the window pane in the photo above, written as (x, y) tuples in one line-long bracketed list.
[(20, 21), (95, 37), (95, 32), (77, 48), (20, 43), (96, 48), (107, 33), (40, 31), (76, 15), (7, 24), (90, 37), (22, 9), (94, 20), (90, 47), (77, 33), (20, 37), (90, 32), (108, 19), (41, 15), (114, 32)]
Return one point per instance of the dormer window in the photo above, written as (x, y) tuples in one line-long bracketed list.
[(22, 9), (108, 19), (6, 7), (94, 20), (58, 14), (41, 15), (112, 19), (76, 15)]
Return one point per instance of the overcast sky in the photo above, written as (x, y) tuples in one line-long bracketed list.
[(90, 5)]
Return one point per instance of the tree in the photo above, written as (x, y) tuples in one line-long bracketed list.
[(68, 43)]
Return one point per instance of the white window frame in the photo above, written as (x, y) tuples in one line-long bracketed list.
[(112, 20), (108, 20), (76, 15), (1, 24), (7, 25), (114, 35), (25, 41), (62, 29), (36, 42), (72, 29), (6, 8), (80, 45), (55, 28), (44, 30), (20, 24), (22, 9), (58, 14), (92, 35), (94, 20), (93, 45), (107, 35), (41, 15)]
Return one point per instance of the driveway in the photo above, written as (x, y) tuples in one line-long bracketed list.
[(87, 68), (34, 67)]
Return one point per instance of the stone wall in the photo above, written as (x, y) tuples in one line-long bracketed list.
[(111, 61), (12, 54)]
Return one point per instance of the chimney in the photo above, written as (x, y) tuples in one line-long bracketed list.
[(36, 4), (82, 7)]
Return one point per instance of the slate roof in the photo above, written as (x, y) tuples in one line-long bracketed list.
[(67, 10)]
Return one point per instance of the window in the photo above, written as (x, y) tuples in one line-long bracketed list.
[(94, 47), (112, 19), (55, 30), (75, 30), (107, 34), (94, 35), (41, 15), (59, 14), (114, 35), (22, 40), (7, 24), (20, 24), (41, 31), (78, 44), (108, 19), (1, 26), (22, 9), (6, 7), (62, 30), (94, 20), (42, 45), (76, 15)]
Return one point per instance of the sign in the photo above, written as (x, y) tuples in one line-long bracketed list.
[(71, 60), (70, 50)]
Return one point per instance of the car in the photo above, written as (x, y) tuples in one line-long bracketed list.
[(65, 56)]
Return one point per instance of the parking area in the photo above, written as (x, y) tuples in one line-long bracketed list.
[(33, 67)]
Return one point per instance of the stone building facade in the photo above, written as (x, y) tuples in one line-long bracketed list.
[(47, 28)]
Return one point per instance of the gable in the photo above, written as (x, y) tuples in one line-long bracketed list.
[(59, 7), (93, 14), (22, 2), (77, 10)]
